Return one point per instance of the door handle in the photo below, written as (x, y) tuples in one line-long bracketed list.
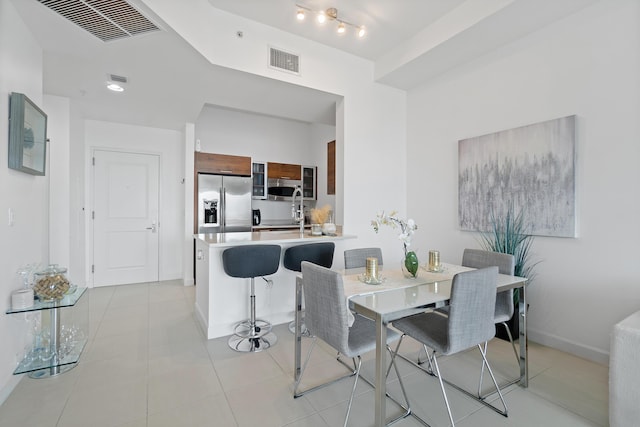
[(153, 227)]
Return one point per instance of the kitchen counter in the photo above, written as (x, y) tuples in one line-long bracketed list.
[(223, 301), (273, 237), (270, 227)]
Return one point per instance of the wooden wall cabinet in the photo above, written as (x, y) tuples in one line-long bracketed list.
[(222, 164), (284, 171), (331, 167)]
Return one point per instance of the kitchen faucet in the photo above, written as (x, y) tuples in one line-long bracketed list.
[(298, 215)]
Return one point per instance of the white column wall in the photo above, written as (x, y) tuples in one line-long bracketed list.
[(58, 111), (320, 136), (188, 185), (587, 64)]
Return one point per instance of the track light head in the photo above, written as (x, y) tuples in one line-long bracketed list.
[(330, 14)]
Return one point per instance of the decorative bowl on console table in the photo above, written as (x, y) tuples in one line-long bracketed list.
[(51, 283)]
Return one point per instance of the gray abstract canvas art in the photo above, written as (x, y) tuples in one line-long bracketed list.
[(531, 168)]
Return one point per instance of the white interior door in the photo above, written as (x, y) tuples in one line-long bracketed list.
[(125, 218)]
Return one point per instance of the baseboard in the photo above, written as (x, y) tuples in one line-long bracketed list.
[(188, 282), (586, 352)]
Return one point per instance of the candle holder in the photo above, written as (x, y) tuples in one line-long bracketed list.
[(371, 274), (371, 268), (434, 262)]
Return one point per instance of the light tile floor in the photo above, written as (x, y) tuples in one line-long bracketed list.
[(147, 364)]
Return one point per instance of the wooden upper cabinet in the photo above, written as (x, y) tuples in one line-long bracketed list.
[(222, 164), (284, 171), (331, 167)]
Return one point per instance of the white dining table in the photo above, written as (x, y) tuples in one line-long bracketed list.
[(397, 297)]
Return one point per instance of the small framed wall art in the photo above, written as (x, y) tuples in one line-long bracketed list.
[(27, 135)]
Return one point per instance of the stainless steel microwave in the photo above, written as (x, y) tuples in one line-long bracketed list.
[(281, 189)]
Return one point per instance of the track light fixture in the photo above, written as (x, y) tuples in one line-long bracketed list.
[(330, 14)]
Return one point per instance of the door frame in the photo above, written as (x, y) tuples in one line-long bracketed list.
[(89, 205)]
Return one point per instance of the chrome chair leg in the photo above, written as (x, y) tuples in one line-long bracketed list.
[(353, 391), (513, 345), (493, 378), (444, 393), (515, 352), (393, 355), (297, 393), (482, 372), (429, 369), (395, 367)]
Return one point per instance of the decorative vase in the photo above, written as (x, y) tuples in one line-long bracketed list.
[(410, 265), (329, 228)]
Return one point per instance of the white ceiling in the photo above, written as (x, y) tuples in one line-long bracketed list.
[(169, 81), (389, 22)]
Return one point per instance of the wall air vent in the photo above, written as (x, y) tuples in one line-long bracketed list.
[(106, 19), (117, 79), (284, 61)]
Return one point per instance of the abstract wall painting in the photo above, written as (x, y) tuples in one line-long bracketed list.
[(531, 168)]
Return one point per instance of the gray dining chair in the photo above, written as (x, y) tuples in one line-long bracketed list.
[(357, 258), (317, 253), (506, 263), (469, 323), (326, 317)]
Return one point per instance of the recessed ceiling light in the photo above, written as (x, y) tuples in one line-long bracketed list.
[(115, 87)]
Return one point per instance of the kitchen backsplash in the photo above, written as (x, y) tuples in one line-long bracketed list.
[(279, 211)]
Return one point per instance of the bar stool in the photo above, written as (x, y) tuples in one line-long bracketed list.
[(316, 253), (252, 261)]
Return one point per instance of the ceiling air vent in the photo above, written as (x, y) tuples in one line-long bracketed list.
[(106, 19), (284, 61)]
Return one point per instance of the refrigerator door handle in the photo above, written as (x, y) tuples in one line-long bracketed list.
[(223, 213)]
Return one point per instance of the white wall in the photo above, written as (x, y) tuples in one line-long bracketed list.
[(588, 65), (371, 119), (264, 139), (320, 136), (261, 137), (168, 144), (26, 241), (58, 111)]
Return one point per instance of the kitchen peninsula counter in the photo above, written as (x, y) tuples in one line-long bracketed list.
[(223, 301)]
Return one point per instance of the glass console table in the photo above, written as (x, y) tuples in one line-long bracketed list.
[(61, 349)]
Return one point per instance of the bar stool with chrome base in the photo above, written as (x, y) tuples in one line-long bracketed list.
[(317, 253), (252, 261)]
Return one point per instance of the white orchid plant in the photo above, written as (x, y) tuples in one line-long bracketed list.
[(406, 233)]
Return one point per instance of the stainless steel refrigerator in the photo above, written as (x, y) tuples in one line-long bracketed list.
[(224, 203)]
